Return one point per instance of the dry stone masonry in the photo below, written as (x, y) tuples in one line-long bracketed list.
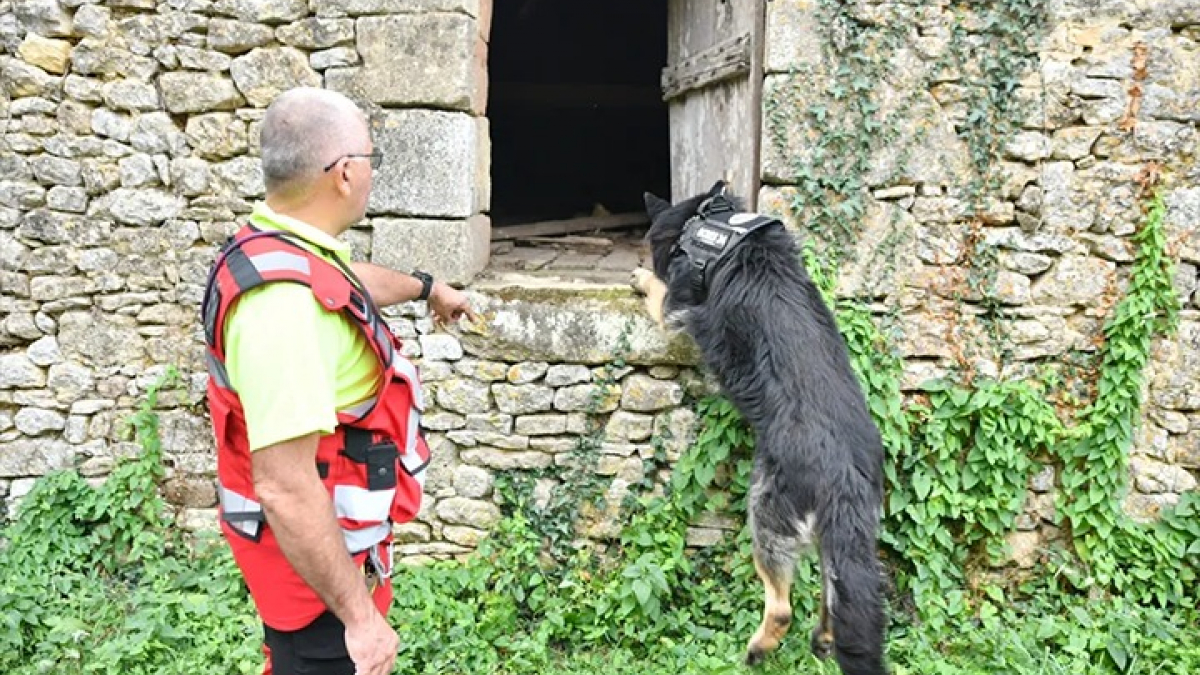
[(1060, 221), (128, 153)]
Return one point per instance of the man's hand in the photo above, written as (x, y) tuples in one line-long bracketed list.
[(449, 304), (372, 645), (301, 514)]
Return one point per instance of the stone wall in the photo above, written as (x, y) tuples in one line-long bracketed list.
[(1059, 223), (128, 134), (128, 152)]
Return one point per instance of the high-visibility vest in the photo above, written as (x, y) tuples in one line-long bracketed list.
[(372, 465)]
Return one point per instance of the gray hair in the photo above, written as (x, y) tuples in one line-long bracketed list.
[(304, 130)]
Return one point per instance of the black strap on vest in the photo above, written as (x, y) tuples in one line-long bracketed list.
[(715, 230)]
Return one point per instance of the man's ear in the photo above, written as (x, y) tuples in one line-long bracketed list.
[(341, 175), (718, 188), (655, 205)]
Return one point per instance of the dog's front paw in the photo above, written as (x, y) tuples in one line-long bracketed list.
[(639, 279)]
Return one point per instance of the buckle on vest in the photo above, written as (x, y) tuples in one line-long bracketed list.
[(375, 561)]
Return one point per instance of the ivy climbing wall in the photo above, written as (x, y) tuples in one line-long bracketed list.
[(1002, 198)]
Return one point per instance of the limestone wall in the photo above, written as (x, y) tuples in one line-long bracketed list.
[(1057, 226), (127, 153)]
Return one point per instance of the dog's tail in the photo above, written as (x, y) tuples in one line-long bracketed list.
[(854, 591)]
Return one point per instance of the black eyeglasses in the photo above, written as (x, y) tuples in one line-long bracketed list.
[(375, 157)]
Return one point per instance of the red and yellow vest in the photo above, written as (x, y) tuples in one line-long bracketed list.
[(372, 465)]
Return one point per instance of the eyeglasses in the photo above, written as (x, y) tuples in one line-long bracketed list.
[(375, 157)]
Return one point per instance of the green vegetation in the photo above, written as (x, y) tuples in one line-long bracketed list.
[(98, 580)]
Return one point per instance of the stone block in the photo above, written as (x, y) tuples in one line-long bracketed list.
[(216, 135), (463, 396), (198, 92), (488, 371), (497, 423), (1075, 280), (643, 393), (526, 372), (192, 58), (34, 458), (51, 56), (263, 11), (793, 29), (21, 79), (429, 164), (18, 370), (98, 339), (236, 37), (588, 321), (523, 399), (434, 60), (441, 347), (92, 21), (265, 73), (317, 33), (44, 17), (96, 57), (627, 426), (133, 95), (560, 375), (453, 251), (1175, 386), (333, 58)]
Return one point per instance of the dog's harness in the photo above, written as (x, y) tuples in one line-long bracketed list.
[(715, 230)]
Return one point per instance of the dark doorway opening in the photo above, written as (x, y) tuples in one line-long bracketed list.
[(577, 121)]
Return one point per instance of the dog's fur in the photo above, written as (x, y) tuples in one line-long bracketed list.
[(766, 333)]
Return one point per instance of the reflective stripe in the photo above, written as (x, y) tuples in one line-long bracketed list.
[(240, 512), (356, 503), (383, 337), (234, 503), (217, 370), (412, 461), (409, 372), (273, 261), (360, 540)]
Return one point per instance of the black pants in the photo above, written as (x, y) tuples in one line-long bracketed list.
[(317, 649)]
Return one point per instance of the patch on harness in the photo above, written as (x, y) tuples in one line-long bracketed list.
[(711, 234)]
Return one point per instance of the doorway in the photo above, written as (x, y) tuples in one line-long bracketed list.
[(578, 125)]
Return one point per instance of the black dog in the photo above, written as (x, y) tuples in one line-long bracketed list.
[(735, 283)]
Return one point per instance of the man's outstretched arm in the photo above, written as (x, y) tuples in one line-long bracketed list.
[(389, 287)]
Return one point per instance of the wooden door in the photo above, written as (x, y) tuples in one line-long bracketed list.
[(713, 88)]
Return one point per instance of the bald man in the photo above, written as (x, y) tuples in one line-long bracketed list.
[(313, 408)]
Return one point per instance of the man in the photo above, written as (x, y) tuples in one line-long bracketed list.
[(314, 410)]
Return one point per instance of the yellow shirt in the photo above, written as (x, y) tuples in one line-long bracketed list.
[(292, 363)]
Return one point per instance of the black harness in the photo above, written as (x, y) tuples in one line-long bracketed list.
[(715, 230)]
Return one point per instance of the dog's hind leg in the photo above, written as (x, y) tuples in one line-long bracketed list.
[(777, 543), (776, 576), (822, 636)]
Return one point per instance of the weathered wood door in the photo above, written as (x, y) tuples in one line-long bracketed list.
[(713, 88)]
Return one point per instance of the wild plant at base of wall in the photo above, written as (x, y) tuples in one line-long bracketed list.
[(961, 452)]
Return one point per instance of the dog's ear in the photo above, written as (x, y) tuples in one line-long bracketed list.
[(655, 205), (718, 188)]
